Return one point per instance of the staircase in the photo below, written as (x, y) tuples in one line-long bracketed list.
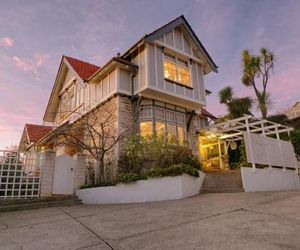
[(8, 205), (223, 182)]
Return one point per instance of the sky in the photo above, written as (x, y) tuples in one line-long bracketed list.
[(34, 34)]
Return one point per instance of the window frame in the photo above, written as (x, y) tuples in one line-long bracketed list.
[(177, 65), (152, 118)]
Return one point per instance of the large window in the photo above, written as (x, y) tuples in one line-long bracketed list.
[(161, 120), (177, 70)]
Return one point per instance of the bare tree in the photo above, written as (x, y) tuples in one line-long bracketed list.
[(95, 133)]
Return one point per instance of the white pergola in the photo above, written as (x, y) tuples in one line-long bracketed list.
[(236, 129), (233, 130)]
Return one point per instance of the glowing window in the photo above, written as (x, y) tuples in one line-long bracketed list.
[(160, 128), (184, 75), (181, 135), (170, 70), (146, 129), (177, 70), (171, 132)]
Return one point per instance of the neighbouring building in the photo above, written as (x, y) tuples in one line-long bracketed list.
[(293, 115), (161, 75)]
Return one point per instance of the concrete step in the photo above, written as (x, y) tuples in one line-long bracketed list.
[(7, 205), (223, 182)]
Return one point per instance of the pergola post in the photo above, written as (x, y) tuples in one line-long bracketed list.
[(251, 153), (289, 135), (277, 133), (220, 155)]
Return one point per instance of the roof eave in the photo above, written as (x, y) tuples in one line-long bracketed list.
[(53, 89)]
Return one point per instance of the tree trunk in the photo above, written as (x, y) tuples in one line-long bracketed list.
[(263, 110), (99, 171)]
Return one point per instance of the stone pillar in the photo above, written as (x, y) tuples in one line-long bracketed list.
[(47, 172), (193, 137), (79, 171)]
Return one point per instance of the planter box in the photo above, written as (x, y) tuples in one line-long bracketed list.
[(155, 189)]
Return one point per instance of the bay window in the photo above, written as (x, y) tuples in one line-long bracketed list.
[(158, 120)]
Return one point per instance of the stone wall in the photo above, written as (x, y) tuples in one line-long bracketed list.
[(125, 119), (79, 171), (193, 137), (47, 171)]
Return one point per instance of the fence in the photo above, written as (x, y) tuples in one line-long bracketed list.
[(19, 175)]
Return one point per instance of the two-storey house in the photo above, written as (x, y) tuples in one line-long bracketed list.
[(162, 75)]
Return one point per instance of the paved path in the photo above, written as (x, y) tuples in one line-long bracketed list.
[(208, 221)]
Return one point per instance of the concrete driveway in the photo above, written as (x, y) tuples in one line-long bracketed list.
[(208, 221)]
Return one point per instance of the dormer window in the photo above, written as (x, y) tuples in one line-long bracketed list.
[(177, 70)]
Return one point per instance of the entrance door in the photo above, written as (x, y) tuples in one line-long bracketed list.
[(63, 181)]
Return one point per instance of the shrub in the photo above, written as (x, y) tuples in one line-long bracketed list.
[(174, 170), (101, 184), (295, 139), (133, 154), (153, 152), (130, 177)]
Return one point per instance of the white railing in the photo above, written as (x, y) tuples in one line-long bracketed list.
[(18, 177)]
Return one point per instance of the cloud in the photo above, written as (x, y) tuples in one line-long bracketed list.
[(31, 64), (7, 42)]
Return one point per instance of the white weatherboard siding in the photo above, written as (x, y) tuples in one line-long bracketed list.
[(269, 180), (155, 80), (156, 189)]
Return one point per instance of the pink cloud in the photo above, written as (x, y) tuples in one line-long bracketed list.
[(7, 42), (31, 64)]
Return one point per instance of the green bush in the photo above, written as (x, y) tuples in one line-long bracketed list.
[(295, 139), (101, 184), (130, 177), (174, 170), (157, 151)]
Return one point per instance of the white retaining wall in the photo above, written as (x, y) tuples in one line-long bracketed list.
[(269, 179), (156, 189)]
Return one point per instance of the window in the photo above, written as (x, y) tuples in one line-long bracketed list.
[(170, 70), (202, 122), (181, 135), (171, 132), (164, 120), (146, 129), (177, 70), (160, 128)]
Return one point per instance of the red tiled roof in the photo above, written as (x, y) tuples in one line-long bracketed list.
[(84, 69), (206, 113), (36, 132)]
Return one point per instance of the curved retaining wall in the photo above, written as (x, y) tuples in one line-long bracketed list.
[(155, 189)]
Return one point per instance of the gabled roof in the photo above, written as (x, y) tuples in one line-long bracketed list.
[(84, 69), (181, 20), (204, 112), (36, 132), (32, 133)]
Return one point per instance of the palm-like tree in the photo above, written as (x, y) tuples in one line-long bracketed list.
[(255, 67), (240, 106), (226, 95), (237, 107)]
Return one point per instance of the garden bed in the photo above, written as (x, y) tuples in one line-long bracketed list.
[(153, 189)]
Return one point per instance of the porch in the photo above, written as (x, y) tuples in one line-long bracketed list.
[(260, 150)]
